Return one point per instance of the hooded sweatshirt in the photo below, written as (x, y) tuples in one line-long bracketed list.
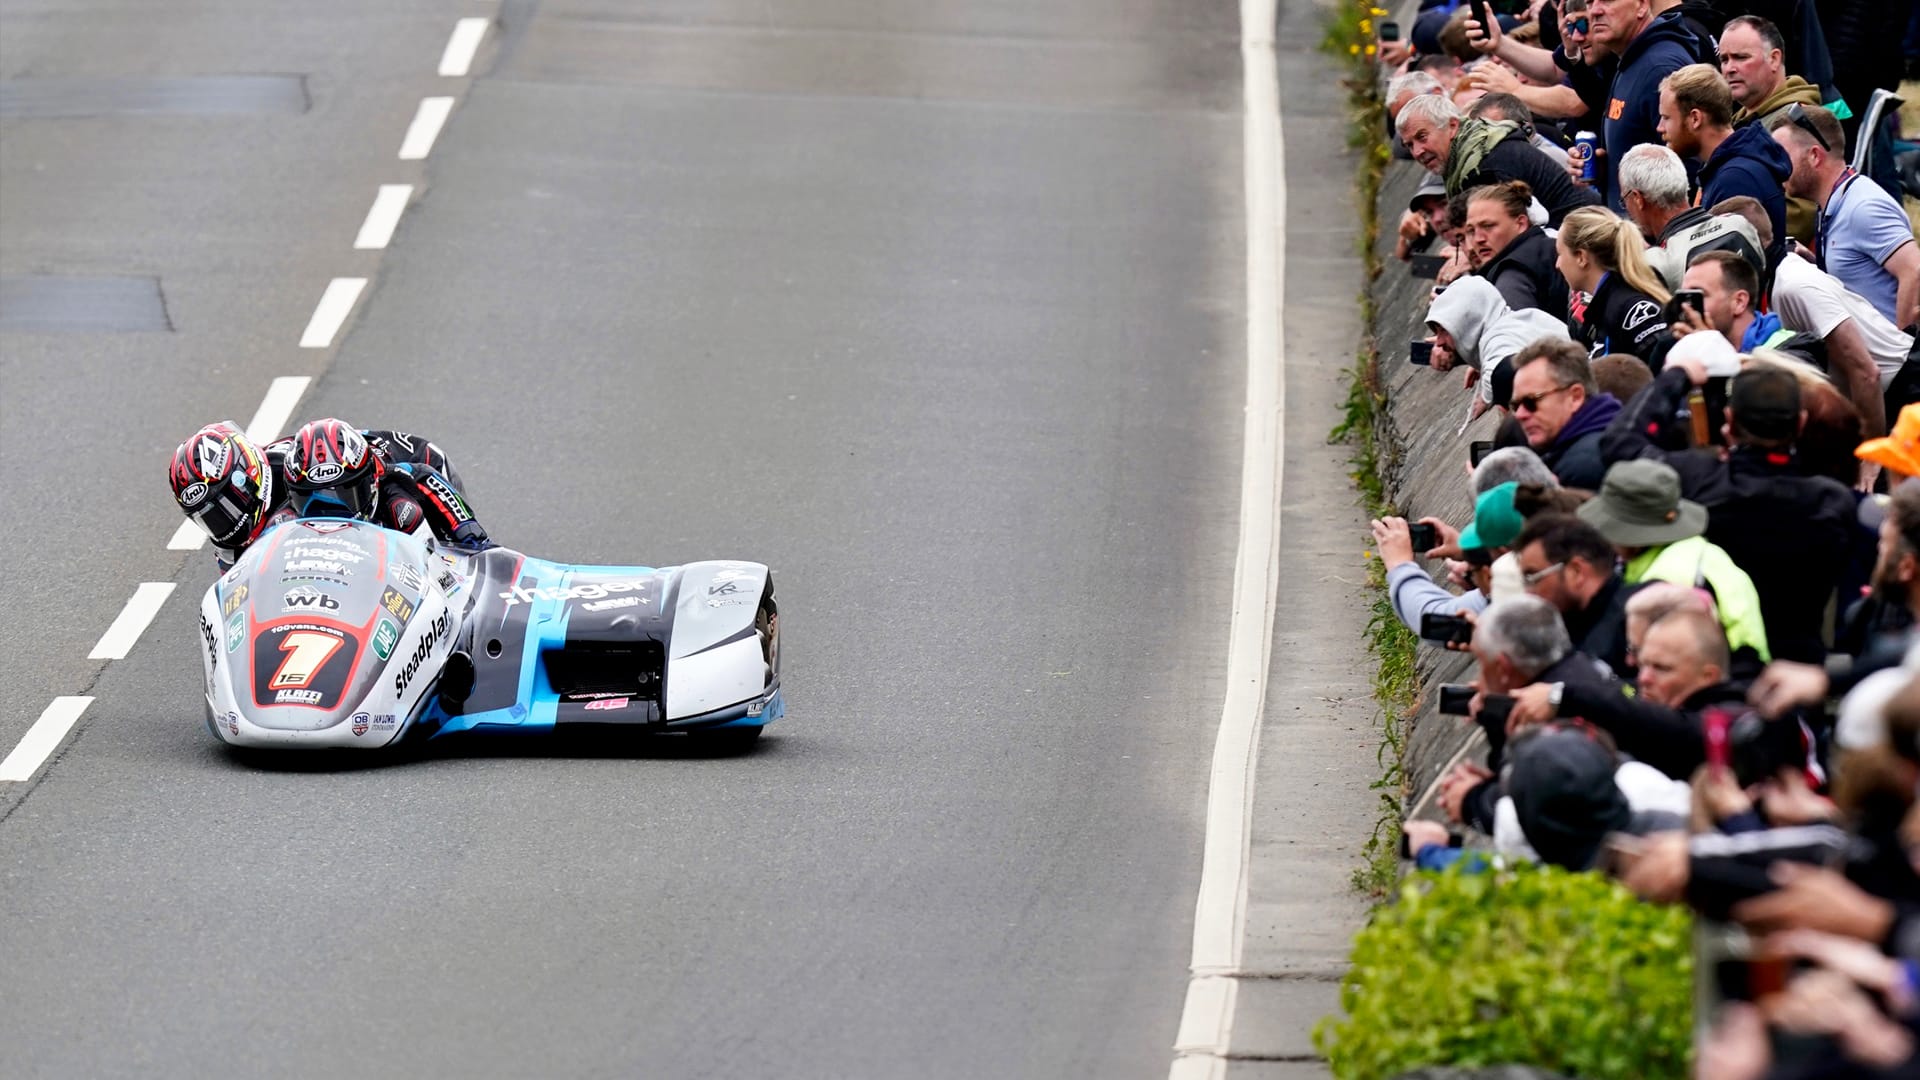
[(1633, 104), (1794, 91), (1749, 162), (1486, 332)]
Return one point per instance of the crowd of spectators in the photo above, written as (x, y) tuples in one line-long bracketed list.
[(1691, 577)]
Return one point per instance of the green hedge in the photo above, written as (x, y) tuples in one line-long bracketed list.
[(1528, 966)]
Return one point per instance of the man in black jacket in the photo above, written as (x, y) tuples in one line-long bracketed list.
[(1569, 564), (1789, 531), (1470, 153), (1683, 672), (1517, 641), (1562, 411)]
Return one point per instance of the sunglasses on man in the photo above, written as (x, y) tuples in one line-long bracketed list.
[(1531, 402), (1797, 114)]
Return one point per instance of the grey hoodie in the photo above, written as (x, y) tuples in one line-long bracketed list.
[(1486, 332)]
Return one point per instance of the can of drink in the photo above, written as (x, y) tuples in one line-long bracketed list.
[(1589, 141)]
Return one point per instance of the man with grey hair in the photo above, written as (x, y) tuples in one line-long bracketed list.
[(1400, 90), (1404, 88), (1468, 153), (1519, 641), (1653, 183), (1512, 464), (1415, 594)]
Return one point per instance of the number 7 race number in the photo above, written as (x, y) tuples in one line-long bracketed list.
[(307, 652)]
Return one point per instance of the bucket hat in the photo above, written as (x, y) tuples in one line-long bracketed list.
[(1639, 505)]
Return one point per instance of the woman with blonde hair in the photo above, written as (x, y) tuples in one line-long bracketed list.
[(1602, 255)]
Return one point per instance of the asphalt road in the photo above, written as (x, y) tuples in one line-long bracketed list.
[(935, 309)]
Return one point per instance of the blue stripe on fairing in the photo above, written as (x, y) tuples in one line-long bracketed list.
[(537, 703)]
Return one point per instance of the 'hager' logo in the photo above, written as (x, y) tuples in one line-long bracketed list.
[(596, 590)]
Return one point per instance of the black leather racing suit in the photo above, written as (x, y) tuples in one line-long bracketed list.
[(418, 485)]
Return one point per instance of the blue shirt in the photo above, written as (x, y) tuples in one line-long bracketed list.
[(1859, 230)]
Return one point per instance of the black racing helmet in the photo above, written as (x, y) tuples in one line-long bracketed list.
[(223, 483), (333, 472)]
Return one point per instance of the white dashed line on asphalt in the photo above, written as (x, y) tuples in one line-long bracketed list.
[(462, 45), (188, 537), (270, 419), (119, 639), (43, 738), (383, 217), (427, 121), (334, 306)]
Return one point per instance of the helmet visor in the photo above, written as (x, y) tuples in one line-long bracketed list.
[(342, 501), (227, 514)]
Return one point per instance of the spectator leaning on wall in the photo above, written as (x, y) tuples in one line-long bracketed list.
[(1472, 324), (1660, 535), (1468, 153), (1563, 412)]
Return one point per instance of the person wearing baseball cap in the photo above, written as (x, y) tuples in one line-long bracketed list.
[(1661, 536), (1570, 791)]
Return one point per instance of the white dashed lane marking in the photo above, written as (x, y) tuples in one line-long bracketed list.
[(427, 121), (188, 537), (119, 639), (335, 304), (462, 45), (383, 217), (43, 738), (270, 419)]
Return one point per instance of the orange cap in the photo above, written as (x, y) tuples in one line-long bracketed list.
[(1900, 450)]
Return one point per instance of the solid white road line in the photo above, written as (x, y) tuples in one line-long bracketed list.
[(383, 217), (332, 310), (1219, 923), (427, 121), (133, 620), (462, 45), (270, 419), (43, 737)]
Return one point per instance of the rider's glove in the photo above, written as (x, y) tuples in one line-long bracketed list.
[(471, 536)]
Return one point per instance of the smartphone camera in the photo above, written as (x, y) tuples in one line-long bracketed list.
[(1446, 629)]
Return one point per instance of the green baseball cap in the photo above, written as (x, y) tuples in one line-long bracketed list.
[(1495, 522)]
